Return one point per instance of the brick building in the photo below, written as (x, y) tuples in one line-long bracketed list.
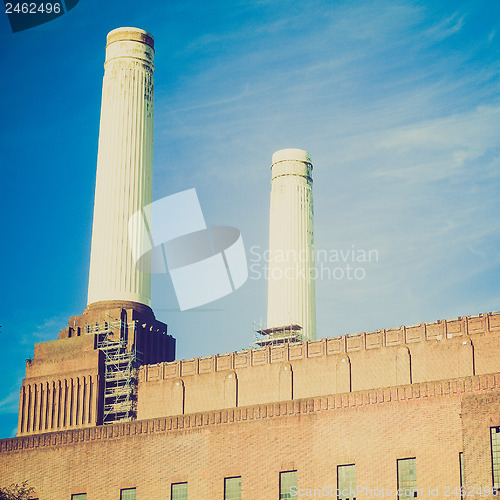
[(415, 408)]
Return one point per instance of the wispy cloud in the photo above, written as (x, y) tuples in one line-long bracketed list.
[(447, 27), (476, 128), (10, 403), (48, 329)]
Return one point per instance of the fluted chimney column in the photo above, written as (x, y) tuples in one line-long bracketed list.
[(291, 291), (124, 166)]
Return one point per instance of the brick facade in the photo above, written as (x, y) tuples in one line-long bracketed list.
[(371, 429), (428, 392)]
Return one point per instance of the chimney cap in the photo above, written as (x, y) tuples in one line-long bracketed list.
[(291, 155), (132, 34)]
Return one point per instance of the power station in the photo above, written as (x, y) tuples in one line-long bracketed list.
[(106, 411)]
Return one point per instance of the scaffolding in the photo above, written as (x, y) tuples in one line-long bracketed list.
[(275, 336), (121, 362)]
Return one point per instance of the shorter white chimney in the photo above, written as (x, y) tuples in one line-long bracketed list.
[(291, 291)]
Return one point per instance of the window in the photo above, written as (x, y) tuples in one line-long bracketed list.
[(461, 463), (287, 480), (232, 488), (179, 491), (346, 482), (495, 457), (128, 494), (80, 496), (407, 478)]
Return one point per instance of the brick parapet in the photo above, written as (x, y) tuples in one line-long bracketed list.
[(465, 385), (441, 330)]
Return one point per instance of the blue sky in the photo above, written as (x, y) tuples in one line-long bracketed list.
[(397, 101)]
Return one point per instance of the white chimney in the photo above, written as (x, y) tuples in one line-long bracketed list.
[(291, 291), (124, 166)]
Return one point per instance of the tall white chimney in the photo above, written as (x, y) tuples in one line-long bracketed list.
[(124, 166), (291, 291)]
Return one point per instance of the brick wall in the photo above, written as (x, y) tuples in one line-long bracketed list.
[(426, 352), (371, 428), (62, 388), (479, 413)]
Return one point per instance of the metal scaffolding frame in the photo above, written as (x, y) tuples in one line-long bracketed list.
[(120, 369), (275, 336)]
